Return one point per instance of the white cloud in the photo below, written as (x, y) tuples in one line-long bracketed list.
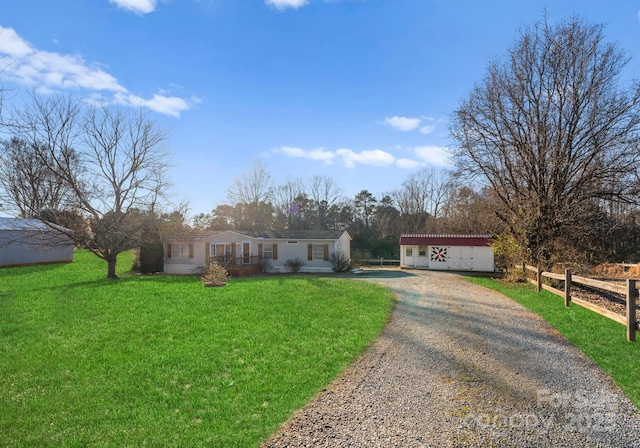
[(292, 151), (349, 158), (48, 72), (434, 155), (428, 129), (375, 157), (403, 124), (136, 6), (13, 45), (167, 105), (319, 154), (284, 4), (409, 164)]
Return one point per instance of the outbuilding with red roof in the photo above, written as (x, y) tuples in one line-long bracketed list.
[(454, 252)]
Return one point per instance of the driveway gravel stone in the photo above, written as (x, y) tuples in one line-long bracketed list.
[(459, 365)]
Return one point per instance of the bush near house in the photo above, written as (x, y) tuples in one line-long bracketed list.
[(294, 264), (340, 262)]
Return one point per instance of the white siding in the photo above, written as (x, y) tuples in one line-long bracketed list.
[(286, 250), (185, 265), (343, 245), (291, 249)]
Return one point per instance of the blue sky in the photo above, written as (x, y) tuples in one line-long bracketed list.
[(357, 90)]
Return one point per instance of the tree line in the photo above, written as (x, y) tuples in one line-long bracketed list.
[(428, 201)]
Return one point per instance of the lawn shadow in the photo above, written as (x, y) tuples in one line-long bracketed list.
[(381, 273)]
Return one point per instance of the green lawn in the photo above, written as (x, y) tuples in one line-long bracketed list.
[(163, 361), (600, 338)]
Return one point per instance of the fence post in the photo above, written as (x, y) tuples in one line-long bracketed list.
[(567, 287), (632, 294), (539, 277)]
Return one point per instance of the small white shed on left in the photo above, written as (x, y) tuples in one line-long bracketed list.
[(29, 241)]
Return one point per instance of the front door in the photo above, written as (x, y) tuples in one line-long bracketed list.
[(246, 252)]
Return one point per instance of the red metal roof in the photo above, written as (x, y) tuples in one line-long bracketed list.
[(442, 239)]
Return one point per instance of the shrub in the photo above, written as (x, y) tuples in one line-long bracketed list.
[(151, 258), (265, 266), (340, 262), (215, 273), (509, 257), (151, 254), (294, 264)]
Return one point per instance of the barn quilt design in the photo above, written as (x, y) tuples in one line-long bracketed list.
[(438, 254)]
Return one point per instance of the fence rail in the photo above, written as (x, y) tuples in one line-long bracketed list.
[(629, 290), (381, 261)]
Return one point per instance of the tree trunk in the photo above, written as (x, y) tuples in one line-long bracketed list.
[(111, 269)]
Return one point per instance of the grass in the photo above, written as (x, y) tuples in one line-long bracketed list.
[(603, 340), (163, 361)]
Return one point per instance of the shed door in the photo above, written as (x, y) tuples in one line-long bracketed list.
[(409, 255), (461, 258)]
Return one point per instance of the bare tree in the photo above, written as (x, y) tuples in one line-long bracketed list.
[(325, 194), (112, 161), (253, 191), (421, 198), (27, 182), (284, 201), (469, 211), (553, 132)]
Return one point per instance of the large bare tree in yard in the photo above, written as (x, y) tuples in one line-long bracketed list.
[(554, 132), (111, 161)]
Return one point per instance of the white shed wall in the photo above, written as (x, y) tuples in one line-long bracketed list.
[(458, 258), (18, 248)]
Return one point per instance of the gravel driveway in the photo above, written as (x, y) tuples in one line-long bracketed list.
[(460, 365)]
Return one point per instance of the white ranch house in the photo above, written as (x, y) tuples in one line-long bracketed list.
[(189, 254), (447, 252), (26, 242)]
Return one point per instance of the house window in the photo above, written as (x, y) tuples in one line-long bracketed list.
[(181, 250), (318, 251), (267, 252), (409, 252), (221, 252), (422, 251), (292, 242)]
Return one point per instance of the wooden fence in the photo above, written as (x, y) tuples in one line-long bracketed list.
[(629, 290), (381, 261)]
